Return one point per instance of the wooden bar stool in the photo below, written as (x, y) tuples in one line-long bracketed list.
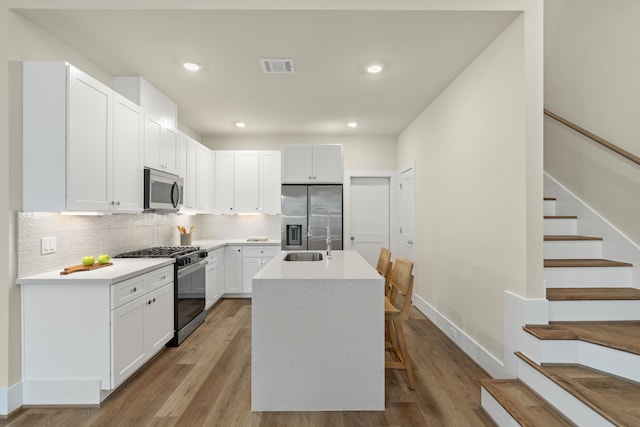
[(384, 267), (397, 306)]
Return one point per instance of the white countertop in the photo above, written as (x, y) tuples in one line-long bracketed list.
[(342, 265), (122, 269), (215, 244)]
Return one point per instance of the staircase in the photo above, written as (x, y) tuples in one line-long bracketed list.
[(586, 370)]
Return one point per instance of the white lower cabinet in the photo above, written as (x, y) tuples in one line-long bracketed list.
[(233, 270), (82, 340), (214, 277), (253, 259), (242, 263), (140, 329)]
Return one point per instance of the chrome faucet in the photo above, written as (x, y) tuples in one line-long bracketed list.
[(328, 227)]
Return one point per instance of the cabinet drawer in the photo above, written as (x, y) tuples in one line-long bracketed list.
[(128, 290), (160, 277), (260, 251)]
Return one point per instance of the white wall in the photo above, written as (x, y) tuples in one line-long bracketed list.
[(469, 148), (360, 153), (591, 78)]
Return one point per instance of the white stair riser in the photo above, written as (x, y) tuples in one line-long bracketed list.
[(573, 249), (587, 277), (496, 411), (563, 226), (564, 402), (549, 207), (575, 311), (616, 362)]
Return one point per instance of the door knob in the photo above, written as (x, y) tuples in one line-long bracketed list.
[(353, 238)]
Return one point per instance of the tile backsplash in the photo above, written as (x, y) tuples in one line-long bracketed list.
[(77, 236)]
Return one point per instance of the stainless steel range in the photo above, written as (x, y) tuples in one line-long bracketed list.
[(189, 285)]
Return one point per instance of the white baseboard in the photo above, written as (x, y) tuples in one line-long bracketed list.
[(10, 399), (475, 351)]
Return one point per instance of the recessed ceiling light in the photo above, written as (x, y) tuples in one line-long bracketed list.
[(240, 124), (191, 66), (352, 124), (374, 68)]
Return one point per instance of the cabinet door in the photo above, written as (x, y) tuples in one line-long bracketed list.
[(159, 318), (89, 139), (126, 167), (128, 333), (220, 272), (213, 288), (152, 133), (297, 164), (250, 267), (246, 181), (233, 270), (203, 186), (224, 182), (191, 181), (270, 182), (183, 141), (328, 165), (169, 149)]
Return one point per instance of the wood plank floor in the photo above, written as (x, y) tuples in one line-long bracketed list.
[(207, 382)]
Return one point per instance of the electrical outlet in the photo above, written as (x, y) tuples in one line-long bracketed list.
[(47, 245)]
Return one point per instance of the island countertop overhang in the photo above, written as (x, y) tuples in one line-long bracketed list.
[(343, 265)]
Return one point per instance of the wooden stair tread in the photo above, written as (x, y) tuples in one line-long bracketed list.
[(551, 199), (592, 294), (585, 262), (613, 398), (572, 238), (619, 335), (560, 217), (524, 405)]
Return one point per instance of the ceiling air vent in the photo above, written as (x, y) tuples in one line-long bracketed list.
[(270, 66)]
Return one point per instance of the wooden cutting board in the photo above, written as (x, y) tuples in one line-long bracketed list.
[(76, 268)]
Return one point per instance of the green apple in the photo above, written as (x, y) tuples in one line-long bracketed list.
[(88, 260), (103, 259)]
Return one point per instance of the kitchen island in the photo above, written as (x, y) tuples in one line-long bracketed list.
[(317, 339)]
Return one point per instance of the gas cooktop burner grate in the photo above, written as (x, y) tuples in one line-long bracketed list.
[(160, 252)]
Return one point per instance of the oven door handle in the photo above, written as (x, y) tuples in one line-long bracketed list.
[(191, 268)]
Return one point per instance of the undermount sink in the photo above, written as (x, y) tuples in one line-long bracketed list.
[(303, 256)]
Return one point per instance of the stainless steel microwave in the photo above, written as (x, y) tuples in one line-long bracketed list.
[(162, 191)]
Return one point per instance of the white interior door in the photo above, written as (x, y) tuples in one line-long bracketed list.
[(369, 219), (406, 214)]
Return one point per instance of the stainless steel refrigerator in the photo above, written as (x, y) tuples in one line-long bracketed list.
[(304, 205)]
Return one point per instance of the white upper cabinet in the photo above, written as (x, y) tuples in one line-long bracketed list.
[(270, 182), (312, 164), (297, 164), (246, 181), (160, 145), (74, 137), (89, 139), (126, 167), (203, 176), (223, 182), (161, 119), (194, 165)]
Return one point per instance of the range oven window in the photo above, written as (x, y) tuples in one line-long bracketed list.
[(191, 293)]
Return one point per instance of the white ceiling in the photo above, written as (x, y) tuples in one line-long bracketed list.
[(422, 51)]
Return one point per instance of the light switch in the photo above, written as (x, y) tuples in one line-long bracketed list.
[(47, 245)]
